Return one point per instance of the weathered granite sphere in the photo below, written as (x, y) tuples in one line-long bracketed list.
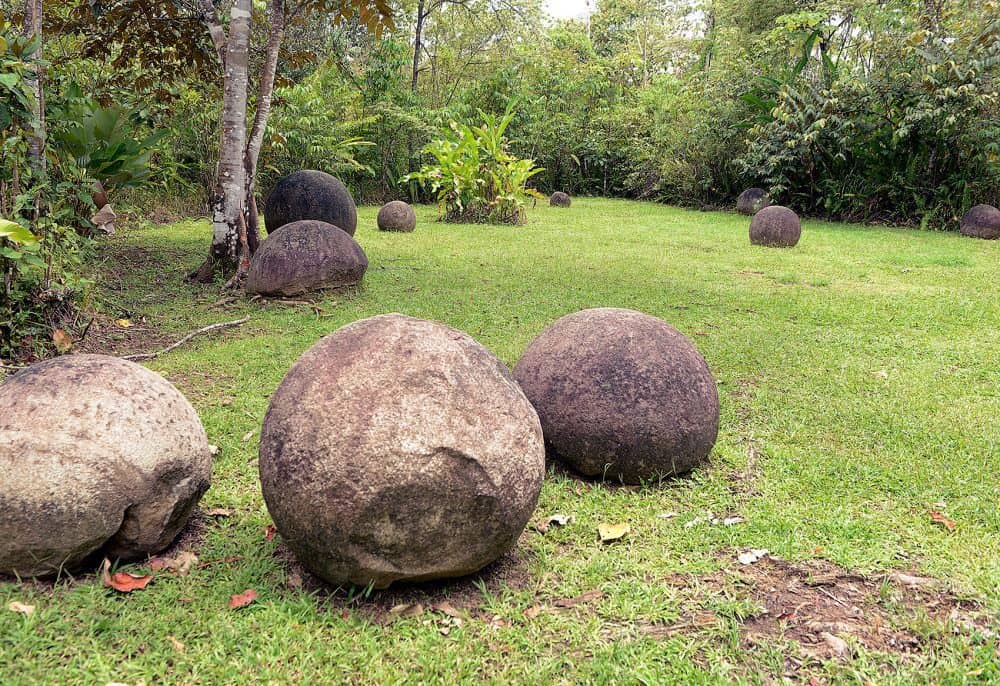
[(310, 194), (752, 201), (560, 199), (306, 256), (98, 457), (398, 449), (397, 216), (775, 226), (982, 221), (621, 395)]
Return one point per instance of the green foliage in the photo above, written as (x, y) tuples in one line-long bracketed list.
[(474, 176)]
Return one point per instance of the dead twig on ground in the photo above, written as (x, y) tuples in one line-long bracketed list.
[(205, 329)]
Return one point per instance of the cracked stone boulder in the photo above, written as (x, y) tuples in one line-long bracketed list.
[(621, 395), (752, 201), (310, 194), (560, 199), (398, 449), (397, 216), (98, 457), (775, 227), (982, 221), (306, 256)]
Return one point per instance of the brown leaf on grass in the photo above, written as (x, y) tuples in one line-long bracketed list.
[(26, 610), (533, 611), (557, 519), (910, 580), (178, 646), (269, 531), (123, 582), (243, 599), (939, 518), (62, 340), (446, 608), (582, 598), (612, 532), (180, 563), (219, 512), (407, 610), (837, 645), (124, 323), (247, 436)]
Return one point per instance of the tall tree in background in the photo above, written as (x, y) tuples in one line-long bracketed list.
[(33, 28)]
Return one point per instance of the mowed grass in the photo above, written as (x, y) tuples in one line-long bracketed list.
[(859, 376)]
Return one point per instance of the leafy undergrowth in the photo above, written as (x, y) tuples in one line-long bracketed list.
[(859, 448)]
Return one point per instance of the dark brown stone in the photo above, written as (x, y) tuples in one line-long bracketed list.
[(982, 221), (776, 227), (397, 216), (621, 395), (313, 195), (306, 256), (560, 199), (399, 449), (752, 201), (97, 455)]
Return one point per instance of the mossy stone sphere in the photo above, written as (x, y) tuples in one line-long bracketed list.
[(982, 221), (310, 194), (560, 199), (621, 395), (776, 227), (752, 201), (397, 216)]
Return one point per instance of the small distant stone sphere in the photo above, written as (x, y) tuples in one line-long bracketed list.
[(99, 457), (560, 199), (306, 256), (313, 195), (397, 216), (752, 201), (621, 395), (776, 227), (982, 221), (398, 449)]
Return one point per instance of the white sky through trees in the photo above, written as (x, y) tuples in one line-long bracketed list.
[(565, 9)]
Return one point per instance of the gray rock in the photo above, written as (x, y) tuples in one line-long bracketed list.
[(397, 216), (560, 199), (97, 456), (306, 256), (982, 221), (752, 201), (621, 395), (776, 227), (310, 194), (399, 449)]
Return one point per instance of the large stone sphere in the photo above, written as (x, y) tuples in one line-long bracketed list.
[(560, 199), (776, 227), (306, 256), (98, 457), (982, 221), (752, 201), (397, 216), (621, 395), (310, 195), (399, 449)]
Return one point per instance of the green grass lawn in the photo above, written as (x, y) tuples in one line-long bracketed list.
[(859, 376)]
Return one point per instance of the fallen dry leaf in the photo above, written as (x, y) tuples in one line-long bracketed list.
[(582, 598), (219, 512), (556, 519), (178, 646), (612, 532), (123, 582), (882, 374), (26, 610), (446, 608), (698, 520), (939, 518), (242, 599), (407, 610), (247, 436), (837, 645), (269, 531), (910, 580), (752, 555), (62, 340), (213, 449), (533, 611), (731, 521), (180, 563), (124, 323), (669, 515)]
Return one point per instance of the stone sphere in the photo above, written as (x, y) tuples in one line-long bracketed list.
[(775, 226), (306, 256), (98, 457), (397, 216), (560, 199), (310, 195), (752, 201), (621, 395), (982, 221), (398, 449)]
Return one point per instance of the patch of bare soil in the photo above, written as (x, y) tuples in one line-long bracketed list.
[(107, 335)]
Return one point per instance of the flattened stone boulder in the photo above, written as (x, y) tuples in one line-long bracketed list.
[(310, 194), (621, 395), (752, 201), (306, 256), (775, 227), (398, 449), (982, 221), (397, 216), (560, 199), (98, 457)]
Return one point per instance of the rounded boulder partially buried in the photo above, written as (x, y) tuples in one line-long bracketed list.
[(98, 457), (752, 201), (310, 194), (775, 227), (621, 395), (560, 199), (982, 221), (397, 216), (398, 449), (306, 256)]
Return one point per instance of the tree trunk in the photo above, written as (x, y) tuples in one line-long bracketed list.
[(417, 44), (33, 27)]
